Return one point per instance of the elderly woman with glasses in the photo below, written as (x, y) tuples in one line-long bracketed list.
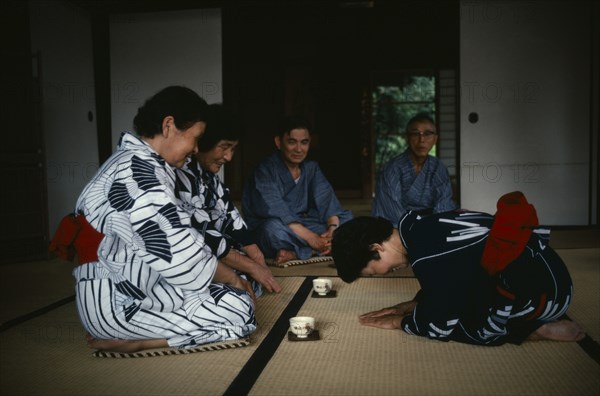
[(414, 180)]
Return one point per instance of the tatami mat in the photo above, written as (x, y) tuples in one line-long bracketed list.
[(29, 286), (575, 238), (48, 355), (326, 269), (356, 360), (42, 351), (584, 266)]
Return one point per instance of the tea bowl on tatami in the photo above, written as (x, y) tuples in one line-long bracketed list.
[(322, 286), (302, 326)]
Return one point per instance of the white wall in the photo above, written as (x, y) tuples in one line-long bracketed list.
[(150, 51), (62, 35), (525, 70)]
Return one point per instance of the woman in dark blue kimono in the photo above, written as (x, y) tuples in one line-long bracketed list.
[(473, 289)]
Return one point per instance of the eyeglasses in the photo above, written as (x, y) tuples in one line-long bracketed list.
[(425, 135)]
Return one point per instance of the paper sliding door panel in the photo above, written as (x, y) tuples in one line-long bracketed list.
[(525, 106)]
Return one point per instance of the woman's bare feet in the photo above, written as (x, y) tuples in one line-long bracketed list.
[(125, 346), (562, 330), (285, 255)]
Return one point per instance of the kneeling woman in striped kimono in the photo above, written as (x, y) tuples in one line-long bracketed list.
[(155, 282)]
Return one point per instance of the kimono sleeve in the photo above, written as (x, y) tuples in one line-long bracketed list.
[(267, 195), (229, 220), (323, 196), (444, 201), (148, 218), (435, 316), (192, 195)]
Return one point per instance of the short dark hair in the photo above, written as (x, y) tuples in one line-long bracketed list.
[(420, 117), (183, 104), (351, 244), (291, 122), (220, 125)]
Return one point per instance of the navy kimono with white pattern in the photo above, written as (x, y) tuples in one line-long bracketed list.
[(459, 301), (204, 194), (213, 213)]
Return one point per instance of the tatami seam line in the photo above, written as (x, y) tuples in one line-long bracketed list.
[(589, 346), (249, 374), (38, 312), (260, 358)]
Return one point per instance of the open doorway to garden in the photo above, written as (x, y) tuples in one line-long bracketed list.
[(395, 97)]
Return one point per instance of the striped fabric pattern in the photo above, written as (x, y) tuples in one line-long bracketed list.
[(153, 277), (399, 189), (272, 199), (174, 351)]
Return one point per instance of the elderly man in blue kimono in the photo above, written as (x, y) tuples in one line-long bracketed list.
[(288, 201), (414, 180)]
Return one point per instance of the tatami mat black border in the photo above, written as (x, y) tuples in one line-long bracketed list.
[(589, 346), (248, 375), (24, 318), (244, 381)]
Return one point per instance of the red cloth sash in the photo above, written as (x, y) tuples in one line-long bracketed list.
[(75, 235), (511, 230)]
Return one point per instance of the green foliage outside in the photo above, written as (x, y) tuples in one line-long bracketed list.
[(393, 106)]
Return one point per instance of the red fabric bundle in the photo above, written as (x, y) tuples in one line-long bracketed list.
[(512, 227), (75, 235)]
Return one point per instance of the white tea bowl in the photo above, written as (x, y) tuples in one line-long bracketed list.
[(322, 286), (302, 326)]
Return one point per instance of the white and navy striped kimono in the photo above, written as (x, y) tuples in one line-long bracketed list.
[(272, 199), (153, 277), (400, 189), (459, 301)]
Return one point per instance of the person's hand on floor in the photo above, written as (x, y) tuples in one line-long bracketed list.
[(264, 276), (389, 322), (402, 309), (260, 273)]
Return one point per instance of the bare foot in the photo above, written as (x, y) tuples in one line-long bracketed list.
[(125, 346), (562, 330), (285, 255)]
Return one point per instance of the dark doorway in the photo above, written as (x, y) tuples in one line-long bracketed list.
[(23, 207), (317, 59)]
